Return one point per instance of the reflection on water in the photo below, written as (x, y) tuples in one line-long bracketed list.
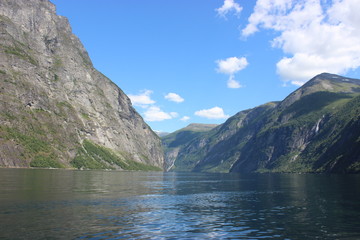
[(60, 204)]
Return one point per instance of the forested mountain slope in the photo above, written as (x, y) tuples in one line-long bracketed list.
[(315, 129)]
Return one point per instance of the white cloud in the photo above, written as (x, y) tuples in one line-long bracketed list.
[(232, 83), (316, 36), (174, 97), (228, 6), (141, 99), (154, 113), (185, 118), (231, 65), (212, 113), (151, 112), (262, 15)]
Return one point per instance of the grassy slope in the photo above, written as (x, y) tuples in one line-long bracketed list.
[(93, 156)]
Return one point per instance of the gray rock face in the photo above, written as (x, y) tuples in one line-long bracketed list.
[(52, 96)]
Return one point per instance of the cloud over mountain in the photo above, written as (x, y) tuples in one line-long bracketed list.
[(142, 99), (154, 113), (316, 36), (212, 113)]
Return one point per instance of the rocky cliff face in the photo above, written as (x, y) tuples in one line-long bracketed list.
[(56, 110), (315, 129)]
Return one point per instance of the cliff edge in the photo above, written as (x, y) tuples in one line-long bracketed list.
[(56, 109)]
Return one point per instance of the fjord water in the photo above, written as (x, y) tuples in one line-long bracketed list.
[(63, 204)]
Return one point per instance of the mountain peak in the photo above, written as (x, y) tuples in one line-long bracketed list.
[(315, 129), (331, 79), (324, 82), (327, 75)]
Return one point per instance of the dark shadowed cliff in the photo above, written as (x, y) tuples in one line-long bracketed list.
[(56, 110)]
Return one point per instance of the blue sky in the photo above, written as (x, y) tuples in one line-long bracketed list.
[(201, 61)]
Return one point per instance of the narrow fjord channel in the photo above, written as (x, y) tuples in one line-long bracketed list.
[(64, 204)]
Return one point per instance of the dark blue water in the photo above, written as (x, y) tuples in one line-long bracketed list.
[(61, 204)]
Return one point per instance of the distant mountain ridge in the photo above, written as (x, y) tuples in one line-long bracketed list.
[(174, 141), (161, 134), (315, 129), (56, 109)]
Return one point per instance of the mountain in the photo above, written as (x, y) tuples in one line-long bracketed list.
[(175, 141), (161, 134), (56, 109), (315, 129)]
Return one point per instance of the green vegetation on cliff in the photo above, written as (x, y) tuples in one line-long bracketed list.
[(53, 100), (93, 156), (315, 129)]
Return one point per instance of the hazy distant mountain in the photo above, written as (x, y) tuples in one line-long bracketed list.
[(56, 109), (161, 134), (173, 142), (315, 129)]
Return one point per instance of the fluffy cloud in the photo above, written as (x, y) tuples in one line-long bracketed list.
[(141, 99), (316, 36), (151, 112), (228, 6), (174, 97), (212, 113), (230, 66), (232, 83), (185, 118), (154, 113)]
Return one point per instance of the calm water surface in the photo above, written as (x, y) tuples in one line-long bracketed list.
[(62, 204)]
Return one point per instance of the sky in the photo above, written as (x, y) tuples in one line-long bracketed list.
[(202, 61)]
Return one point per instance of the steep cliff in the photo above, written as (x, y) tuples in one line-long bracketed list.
[(315, 129), (56, 110)]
